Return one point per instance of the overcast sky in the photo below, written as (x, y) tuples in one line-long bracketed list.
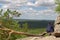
[(31, 9)]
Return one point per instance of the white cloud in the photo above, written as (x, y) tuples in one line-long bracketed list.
[(34, 14), (42, 3), (30, 4), (30, 12), (17, 3), (12, 3)]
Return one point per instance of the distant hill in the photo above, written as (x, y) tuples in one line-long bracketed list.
[(35, 23)]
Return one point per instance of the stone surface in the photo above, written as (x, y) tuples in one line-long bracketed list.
[(40, 38), (57, 26)]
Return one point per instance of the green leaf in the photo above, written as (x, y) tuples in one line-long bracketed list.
[(58, 8), (1, 11), (8, 22)]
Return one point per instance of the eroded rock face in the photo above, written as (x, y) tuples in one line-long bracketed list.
[(57, 27)]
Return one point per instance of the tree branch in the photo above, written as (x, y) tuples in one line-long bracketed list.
[(17, 32)]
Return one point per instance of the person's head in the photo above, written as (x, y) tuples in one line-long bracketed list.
[(50, 23)]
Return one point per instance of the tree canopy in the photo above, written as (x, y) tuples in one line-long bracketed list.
[(6, 18), (7, 22), (57, 5)]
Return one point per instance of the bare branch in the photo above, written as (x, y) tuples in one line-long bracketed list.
[(17, 32)]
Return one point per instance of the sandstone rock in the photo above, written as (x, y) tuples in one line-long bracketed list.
[(40, 38), (57, 27)]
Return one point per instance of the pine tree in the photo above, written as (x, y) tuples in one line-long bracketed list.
[(7, 22)]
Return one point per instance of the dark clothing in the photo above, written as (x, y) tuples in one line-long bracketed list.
[(50, 28)]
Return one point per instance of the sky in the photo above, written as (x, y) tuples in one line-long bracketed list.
[(31, 9)]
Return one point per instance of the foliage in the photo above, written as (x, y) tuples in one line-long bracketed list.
[(25, 27), (37, 30), (58, 5), (6, 21)]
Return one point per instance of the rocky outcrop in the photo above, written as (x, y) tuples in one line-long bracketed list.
[(40, 38), (57, 27)]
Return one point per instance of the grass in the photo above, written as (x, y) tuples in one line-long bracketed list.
[(37, 31), (30, 31), (33, 31)]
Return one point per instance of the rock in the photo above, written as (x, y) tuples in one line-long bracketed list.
[(40, 38), (57, 27)]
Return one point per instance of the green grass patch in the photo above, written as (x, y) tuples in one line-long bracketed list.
[(37, 31)]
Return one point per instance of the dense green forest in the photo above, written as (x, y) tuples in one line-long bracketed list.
[(35, 23)]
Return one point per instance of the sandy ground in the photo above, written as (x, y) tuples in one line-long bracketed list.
[(40, 38)]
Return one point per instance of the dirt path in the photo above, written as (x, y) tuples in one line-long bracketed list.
[(40, 38)]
